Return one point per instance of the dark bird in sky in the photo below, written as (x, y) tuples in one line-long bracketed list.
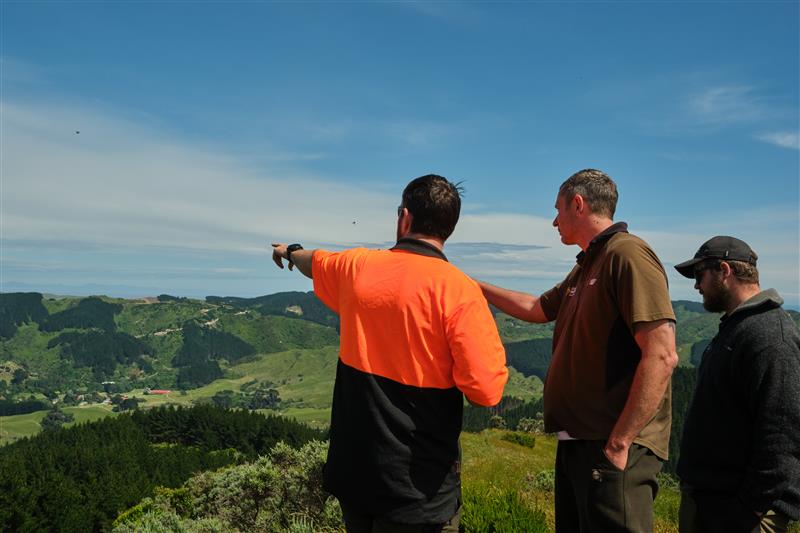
[(77, 133)]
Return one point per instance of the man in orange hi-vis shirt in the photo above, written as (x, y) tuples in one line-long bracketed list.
[(416, 337)]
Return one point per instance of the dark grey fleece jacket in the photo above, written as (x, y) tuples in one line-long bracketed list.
[(741, 439)]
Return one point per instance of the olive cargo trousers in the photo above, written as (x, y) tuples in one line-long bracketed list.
[(593, 495)]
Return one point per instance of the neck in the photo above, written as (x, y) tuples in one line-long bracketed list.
[(740, 293), (433, 241), (595, 225)]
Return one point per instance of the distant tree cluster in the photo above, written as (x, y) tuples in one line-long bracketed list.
[(122, 403), (17, 308), (102, 351), (168, 298), (531, 357), (89, 313), (55, 419), (202, 347), (278, 304), (263, 397), (507, 414), (10, 407), (79, 479), (206, 425)]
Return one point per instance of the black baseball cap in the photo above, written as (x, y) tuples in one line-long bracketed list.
[(720, 247)]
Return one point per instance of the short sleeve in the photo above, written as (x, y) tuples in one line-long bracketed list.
[(326, 269), (641, 289), (479, 358), (550, 302)]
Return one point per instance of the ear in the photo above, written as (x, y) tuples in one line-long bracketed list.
[(578, 203), (404, 222), (726, 270)]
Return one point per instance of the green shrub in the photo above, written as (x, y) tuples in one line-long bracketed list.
[(277, 493), (667, 481), (532, 425), (170, 522), (544, 480), (497, 422), (518, 437), (490, 510)]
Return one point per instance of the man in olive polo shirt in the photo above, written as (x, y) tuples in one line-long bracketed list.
[(607, 392)]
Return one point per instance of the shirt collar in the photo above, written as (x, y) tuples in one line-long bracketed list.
[(601, 238), (416, 246), (768, 298)]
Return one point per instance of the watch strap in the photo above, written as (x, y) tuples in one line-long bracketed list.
[(292, 248)]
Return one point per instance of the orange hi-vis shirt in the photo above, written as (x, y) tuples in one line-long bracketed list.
[(414, 319), (415, 333)]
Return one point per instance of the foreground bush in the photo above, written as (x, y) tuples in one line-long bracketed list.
[(277, 493)]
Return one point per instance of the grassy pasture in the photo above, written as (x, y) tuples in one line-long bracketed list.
[(489, 460), (18, 426)]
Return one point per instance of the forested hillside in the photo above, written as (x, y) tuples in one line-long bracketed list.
[(51, 346), (79, 479)]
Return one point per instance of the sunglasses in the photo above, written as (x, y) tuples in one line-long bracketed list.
[(399, 210), (700, 271)]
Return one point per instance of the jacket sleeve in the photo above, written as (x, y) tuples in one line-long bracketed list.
[(479, 358), (772, 389)]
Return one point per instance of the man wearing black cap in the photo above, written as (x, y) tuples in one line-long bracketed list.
[(740, 453)]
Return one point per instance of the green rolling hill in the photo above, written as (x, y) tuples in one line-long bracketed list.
[(61, 349)]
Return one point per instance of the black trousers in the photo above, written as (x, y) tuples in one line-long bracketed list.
[(357, 522), (593, 495)]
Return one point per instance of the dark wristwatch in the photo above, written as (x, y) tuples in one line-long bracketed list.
[(292, 248)]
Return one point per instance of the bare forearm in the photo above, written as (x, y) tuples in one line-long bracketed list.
[(647, 390), (301, 258), (514, 303), (650, 382)]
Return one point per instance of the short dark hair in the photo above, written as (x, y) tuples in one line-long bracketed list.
[(596, 187), (435, 204)]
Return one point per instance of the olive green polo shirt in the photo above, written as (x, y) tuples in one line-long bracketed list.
[(617, 282)]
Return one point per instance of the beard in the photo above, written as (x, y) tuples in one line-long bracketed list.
[(716, 297)]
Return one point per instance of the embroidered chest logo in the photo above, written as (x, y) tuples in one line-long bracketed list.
[(572, 291), (592, 281)]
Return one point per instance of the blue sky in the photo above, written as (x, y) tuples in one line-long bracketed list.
[(209, 129)]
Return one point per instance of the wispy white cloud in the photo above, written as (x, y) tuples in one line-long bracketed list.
[(726, 104), (120, 182), (85, 205), (117, 182), (784, 139), (693, 103)]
